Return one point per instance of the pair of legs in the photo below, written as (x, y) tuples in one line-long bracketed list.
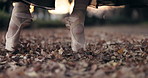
[(22, 17)]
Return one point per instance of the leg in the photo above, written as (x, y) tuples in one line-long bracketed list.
[(20, 17), (75, 22)]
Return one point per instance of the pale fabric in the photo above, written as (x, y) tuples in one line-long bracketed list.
[(20, 17), (76, 26), (75, 22)]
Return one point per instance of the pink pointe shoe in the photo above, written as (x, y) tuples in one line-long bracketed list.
[(20, 17), (76, 32), (75, 22)]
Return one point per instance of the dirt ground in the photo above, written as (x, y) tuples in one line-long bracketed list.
[(112, 52)]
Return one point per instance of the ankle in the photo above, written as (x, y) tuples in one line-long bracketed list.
[(20, 7), (20, 4)]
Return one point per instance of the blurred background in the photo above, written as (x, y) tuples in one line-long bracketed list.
[(104, 15)]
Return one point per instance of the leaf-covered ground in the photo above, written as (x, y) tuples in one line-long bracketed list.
[(112, 52)]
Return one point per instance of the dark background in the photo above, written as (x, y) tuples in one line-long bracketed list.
[(127, 15)]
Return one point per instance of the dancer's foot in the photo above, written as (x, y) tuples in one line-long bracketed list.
[(76, 27), (20, 17), (77, 37)]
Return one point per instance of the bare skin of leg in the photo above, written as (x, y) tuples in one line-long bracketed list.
[(75, 22), (20, 17)]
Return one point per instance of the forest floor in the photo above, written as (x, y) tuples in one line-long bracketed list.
[(112, 52)]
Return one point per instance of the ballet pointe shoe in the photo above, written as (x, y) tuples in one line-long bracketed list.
[(76, 32), (75, 22), (20, 17), (77, 37)]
